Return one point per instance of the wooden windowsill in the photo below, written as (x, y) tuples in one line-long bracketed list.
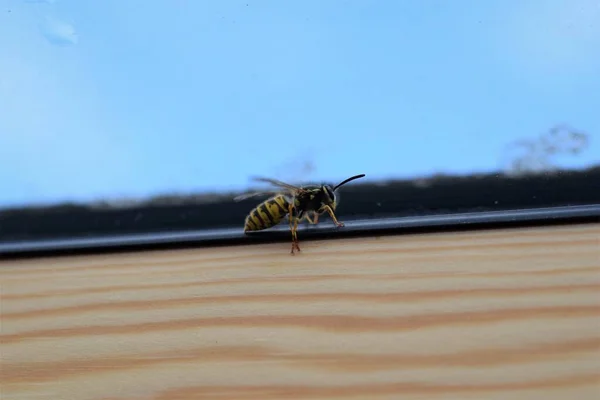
[(499, 314)]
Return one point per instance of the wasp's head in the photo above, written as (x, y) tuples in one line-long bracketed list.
[(330, 197)]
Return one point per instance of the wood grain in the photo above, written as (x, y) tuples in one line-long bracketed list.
[(506, 314)]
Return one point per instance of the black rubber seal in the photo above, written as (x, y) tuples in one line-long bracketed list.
[(325, 229)]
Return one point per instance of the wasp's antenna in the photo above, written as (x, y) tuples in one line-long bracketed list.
[(348, 180)]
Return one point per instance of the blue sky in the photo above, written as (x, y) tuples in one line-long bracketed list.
[(128, 98)]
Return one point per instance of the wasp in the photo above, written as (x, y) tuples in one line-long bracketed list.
[(295, 202)]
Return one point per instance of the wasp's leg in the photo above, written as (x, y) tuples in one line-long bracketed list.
[(312, 221), (332, 215), (295, 233), (316, 219), (293, 227)]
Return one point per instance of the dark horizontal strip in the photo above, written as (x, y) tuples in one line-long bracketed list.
[(230, 236), (436, 195)]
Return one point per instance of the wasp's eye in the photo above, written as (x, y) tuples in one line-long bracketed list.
[(329, 192)]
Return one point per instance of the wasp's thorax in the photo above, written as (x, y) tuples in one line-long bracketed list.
[(315, 198)]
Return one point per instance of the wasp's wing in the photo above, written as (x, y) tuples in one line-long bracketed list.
[(278, 183), (249, 195)]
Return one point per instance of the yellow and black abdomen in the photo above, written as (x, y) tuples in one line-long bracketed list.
[(267, 214)]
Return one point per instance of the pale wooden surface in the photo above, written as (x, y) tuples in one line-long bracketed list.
[(509, 314)]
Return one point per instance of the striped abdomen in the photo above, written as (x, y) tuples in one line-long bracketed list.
[(267, 214)]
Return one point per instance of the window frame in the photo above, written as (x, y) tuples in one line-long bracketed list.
[(446, 203)]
